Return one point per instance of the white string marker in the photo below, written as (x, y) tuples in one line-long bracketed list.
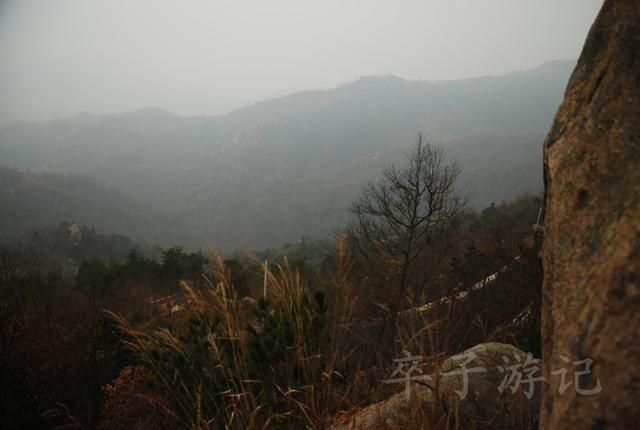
[(539, 214)]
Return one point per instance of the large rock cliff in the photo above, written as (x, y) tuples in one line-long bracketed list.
[(591, 256)]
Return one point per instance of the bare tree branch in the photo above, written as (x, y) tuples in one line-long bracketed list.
[(398, 216)]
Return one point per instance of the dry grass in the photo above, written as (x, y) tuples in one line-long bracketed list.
[(325, 366)]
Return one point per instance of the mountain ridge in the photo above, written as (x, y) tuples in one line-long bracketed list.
[(165, 112), (289, 167)]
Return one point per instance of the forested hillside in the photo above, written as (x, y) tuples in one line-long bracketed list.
[(29, 201), (289, 167)]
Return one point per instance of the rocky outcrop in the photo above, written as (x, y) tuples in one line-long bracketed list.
[(591, 254), (492, 400)]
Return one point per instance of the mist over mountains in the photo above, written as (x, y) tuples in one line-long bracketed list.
[(276, 170)]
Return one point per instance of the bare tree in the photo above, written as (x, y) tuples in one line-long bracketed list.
[(398, 216)]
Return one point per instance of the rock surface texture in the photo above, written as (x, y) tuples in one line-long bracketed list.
[(483, 406), (591, 255)]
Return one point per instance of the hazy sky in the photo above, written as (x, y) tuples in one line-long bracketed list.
[(61, 57)]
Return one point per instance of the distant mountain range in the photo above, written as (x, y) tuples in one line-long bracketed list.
[(280, 169)]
